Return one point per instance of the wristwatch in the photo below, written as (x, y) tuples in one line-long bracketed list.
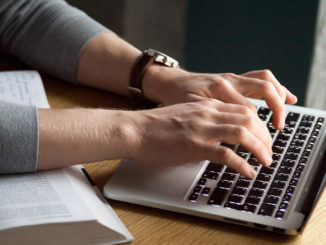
[(147, 58)]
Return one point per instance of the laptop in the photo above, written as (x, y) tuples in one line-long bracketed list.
[(280, 198)]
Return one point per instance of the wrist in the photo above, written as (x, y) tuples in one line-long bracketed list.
[(158, 81)]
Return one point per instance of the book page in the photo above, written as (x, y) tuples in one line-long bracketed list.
[(43, 197), (23, 87)]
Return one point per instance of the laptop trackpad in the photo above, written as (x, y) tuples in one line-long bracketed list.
[(132, 180)]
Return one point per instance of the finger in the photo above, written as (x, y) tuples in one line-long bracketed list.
[(290, 98), (267, 75), (230, 95), (256, 128), (232, 134), (244, 110), (226, 156), (260, 89)]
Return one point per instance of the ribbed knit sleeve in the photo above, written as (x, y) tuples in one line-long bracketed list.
[(46, 34)]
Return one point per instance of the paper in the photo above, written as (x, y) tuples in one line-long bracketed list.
[(23, 87), (44, 197)]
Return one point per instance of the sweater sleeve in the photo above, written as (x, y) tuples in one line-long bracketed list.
[(46, 34), (18, 138)]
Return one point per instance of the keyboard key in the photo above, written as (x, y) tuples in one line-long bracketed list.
[(263, 110), (300, 167), (266, 170), (320, 120), (300, 136), (193, 197), (308, 118), (279, 214), (228, 176), (271, 199), (214, 167), (252, 200), (276, 156), (305, 124), (284, 170), (253, 162), (278, 149), (294, 149), (278, 184), (210, 175), (263, 177), (266, 209), (218, 196), (283, 206), (283, 136), (286, 198), (202, 181), (288, 163), (206, 191), (281, 177), (232, 205), (275, 191), (239, 190), (242, 183), (293, 182), (256, 192), (260, 184), (297, 142), (292, 116), (280, 143), (303, 130), (249, 208), (235, 198), (291, 156), (224, 184), (290, 190), (306, 153), (296, 174), (230, 170), (197, 189)]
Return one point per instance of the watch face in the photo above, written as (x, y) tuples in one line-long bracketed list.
[(162, 58)]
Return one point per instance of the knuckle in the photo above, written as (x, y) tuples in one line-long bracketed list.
[(225, 154), (240, 132), (245, 109), (266, 73), (267, 87)]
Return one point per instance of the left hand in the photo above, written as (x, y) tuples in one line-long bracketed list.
[(174, 85)]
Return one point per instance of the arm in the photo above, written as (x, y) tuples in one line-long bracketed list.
[(188, 132)]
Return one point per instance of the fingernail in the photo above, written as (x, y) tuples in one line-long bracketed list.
[(252, 173), (268, 160)]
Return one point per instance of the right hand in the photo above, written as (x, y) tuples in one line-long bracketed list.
[(189, 132)]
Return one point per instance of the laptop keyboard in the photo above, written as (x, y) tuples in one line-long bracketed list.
[(271, 191)]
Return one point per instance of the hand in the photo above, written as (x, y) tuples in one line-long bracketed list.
[(189, 132), (171, 86)]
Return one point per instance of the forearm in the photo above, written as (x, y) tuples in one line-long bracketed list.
[(106, 62), (74, 136)]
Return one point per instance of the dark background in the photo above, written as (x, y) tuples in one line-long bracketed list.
[(237, 36), (219, 35)]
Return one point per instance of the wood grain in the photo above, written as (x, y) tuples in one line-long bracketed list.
[(153, 226)]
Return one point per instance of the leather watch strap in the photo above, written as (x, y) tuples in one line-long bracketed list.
[(136, 77)]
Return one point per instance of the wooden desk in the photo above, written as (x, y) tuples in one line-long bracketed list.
[(152, 226)]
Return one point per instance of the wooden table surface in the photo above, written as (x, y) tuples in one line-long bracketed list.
[(153, 226)]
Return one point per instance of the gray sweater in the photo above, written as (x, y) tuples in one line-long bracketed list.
[(48, 35)]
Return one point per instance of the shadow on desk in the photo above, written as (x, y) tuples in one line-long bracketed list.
[(214, 232)]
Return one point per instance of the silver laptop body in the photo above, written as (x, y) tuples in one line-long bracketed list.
[(280, 199)]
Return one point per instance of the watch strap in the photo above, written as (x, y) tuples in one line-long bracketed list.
[(136, 77)]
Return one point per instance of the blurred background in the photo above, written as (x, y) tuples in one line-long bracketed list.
[(219, 36)]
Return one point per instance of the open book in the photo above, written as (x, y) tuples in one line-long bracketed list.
[(51, 207)]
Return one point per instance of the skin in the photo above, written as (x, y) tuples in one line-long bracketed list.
[(200, 111)]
